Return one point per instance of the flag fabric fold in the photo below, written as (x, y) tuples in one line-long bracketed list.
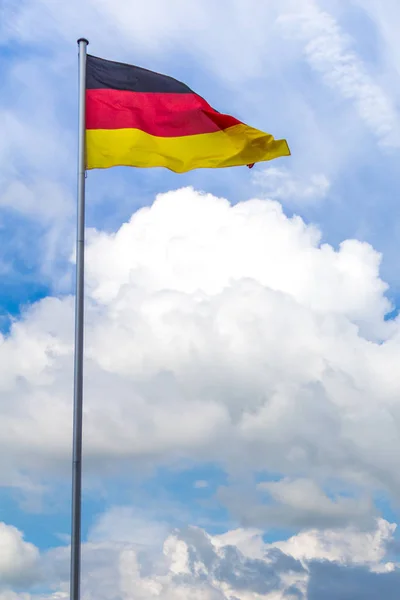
[(138, 118)]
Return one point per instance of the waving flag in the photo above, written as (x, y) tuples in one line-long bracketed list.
[(138, 118)]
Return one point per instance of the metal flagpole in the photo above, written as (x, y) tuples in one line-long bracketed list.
[(79, 324)]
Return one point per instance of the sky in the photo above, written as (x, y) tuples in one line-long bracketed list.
[(242, 342)]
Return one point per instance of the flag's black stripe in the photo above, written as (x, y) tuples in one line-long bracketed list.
[(106, 74)]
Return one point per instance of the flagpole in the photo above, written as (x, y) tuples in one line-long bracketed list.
[(79, 326)]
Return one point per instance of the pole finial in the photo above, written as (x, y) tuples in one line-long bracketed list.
[(82, 39)]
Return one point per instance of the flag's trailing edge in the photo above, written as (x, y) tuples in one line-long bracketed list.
[(138, 118)]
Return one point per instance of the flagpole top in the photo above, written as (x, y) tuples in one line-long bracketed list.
[(82, 39)]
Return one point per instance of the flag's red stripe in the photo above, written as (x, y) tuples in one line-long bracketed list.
[(163, 115)]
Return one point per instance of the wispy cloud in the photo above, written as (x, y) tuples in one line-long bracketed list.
[(330, 52), (281, 184)]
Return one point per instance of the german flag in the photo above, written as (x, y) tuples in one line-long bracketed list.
[(138, 118)]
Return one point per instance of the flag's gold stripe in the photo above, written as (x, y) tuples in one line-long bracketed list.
[(235, 146)]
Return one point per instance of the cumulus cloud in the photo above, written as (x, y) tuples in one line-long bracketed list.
[(191, 563), (19, 559), (349, 546), (223, 333)]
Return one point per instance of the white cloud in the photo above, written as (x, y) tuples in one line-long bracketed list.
[(328, 50), (304, 497), (249, 541), (385, 19), (296, 503), (279, 184), (251, 241), (154, 29), (123, 524), (222, 333), (343, 546), (190, 563), (34, 150), (19, 560)]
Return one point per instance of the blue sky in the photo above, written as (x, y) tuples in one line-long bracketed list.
[(241, 396)]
